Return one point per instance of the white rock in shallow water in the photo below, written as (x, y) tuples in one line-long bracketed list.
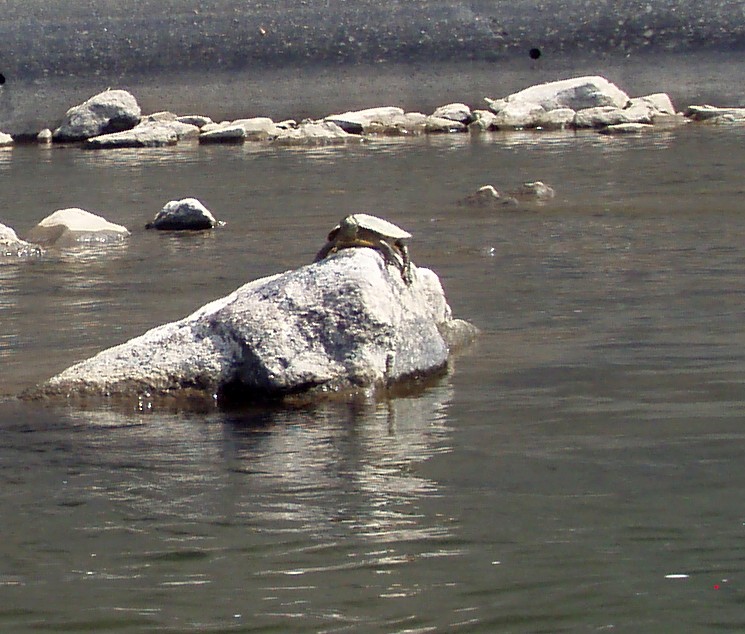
[(315, 133), (74, 226), (348, 322), (109, 111), (517, 115), (456, 112), (147, 134), (5, 139), (187, 214), (11, 246), (215, 133), (576, 93), (357, 121)]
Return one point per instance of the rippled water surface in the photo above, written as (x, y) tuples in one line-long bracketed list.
[(579, 469)]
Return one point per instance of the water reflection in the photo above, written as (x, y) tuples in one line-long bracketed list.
[(276, 503)]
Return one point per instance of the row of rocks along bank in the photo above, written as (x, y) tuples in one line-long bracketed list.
[(113, 119)]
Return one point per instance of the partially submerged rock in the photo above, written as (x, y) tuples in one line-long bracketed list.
[(146, 134), (187, 214), (11, 246), (535, 191), (5, 139), (315, 133), (713, 114), (73, 227), (487, 197), (455, 112), (222, 134), (107, 112), (626, 128), (348, 322)]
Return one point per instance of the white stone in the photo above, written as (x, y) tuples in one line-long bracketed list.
[(109, 111), (147, 134), (315, 133), (258, 128), (455, 111), (74, 226), (348, 322), (557, 119), (5, 139), (216, 133), (577, 93), (434, 124), (518, 115)]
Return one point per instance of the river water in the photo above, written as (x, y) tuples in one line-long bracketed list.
[(578, 469)]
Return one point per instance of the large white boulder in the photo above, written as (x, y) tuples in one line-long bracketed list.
[(106, 112), (74, 226), (576, 93), (348, 322)]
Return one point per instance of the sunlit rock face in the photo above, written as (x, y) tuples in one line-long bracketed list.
[(348, 322), (75, 227)]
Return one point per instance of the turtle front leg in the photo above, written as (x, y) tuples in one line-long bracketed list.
[(327, 248)]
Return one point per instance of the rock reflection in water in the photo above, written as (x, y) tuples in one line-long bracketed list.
[(274, 503)]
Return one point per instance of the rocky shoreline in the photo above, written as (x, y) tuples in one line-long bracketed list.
[(113, 119)]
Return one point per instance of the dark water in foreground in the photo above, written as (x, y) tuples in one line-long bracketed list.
[(580, 469)]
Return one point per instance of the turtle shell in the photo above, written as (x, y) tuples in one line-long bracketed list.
[(381, 227)]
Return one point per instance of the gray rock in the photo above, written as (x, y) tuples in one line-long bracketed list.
[(626, 128), (577, 93), (222, 134), (608, 115), (713, 114), (536, 191), (44, 136), (557, 119), (187, 214), (660, 103), (456, 112), (11, 246), (348, 322), (109, 111), (75, 227), (161, 117), (258, 128), (518, 115), (357, 121), (487, 197), (483, 120), (315, 133), (407, 124), (147, 134), (5, 139), (434, 124), (194, 119)]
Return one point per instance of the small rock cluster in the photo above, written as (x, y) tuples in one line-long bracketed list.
[(73, 227), (113, 119)]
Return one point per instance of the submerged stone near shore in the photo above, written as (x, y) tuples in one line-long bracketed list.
[(187, 214), (11, 246), (73, 227), (348, 322), (106, 112)]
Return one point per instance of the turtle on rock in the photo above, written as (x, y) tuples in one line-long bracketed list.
[(364, 230)]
